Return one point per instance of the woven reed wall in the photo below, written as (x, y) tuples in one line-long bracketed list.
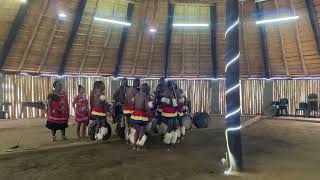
[(251, 99), (198, 91), (296, 91), (16, 89)]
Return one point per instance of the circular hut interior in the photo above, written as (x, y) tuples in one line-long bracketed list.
[(242, 83)]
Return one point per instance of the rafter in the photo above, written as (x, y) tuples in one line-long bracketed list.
[(17, 23), (84, 58), (151, 54), (46, 53), (73, 33), (183, 41), (123, 41), (213, 38), (263, 41), (106, 43), (244, 38), (285, 61), (305, 71), (198, 45), (44, 8), (168, 38), (141, 34)]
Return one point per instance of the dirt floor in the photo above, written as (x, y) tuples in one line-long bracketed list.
[(273, 149)]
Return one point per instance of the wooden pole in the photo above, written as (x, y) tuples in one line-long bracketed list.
[(123, 41), (72, 37), (35, 30), (263, 41), (314, 21), (168, 38), (285, 61), (106, 43), (304, 68), (213, 32), (232, 56), (16, 25), (85, 55)]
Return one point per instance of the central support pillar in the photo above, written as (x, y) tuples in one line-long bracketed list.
[(232, 57)]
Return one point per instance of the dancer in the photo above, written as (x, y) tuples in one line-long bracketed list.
[(159, 93), (119, 99), (169, 113), (161, 126), (129, 108), (140, 116), (81, 106), (181, 130), (58, 111), (99, 109)]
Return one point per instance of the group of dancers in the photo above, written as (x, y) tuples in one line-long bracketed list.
[(132, 109)]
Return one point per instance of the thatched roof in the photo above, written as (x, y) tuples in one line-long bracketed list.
[(41, 41)]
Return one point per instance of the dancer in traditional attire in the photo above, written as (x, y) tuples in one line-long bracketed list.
[(140, 116), (99, 109), (81, 106), (129, 107), (119, 98), (169, 113), (159, 94), (58, 111), (181, 109)]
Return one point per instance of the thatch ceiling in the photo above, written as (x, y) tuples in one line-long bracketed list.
[(41, 41)]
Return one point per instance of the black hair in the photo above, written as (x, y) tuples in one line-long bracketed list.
[(80, 87), (97, 84), (56, 83), (145, 88), (136, 82)]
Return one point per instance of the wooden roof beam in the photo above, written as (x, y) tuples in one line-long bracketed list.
[(314, 21), (151, 54), (304, 68), (123, 41), (213, 32), (168, 38), (285, 61), (84, 58), (72, 37), (49, 44), (263, 41), (183, 42), (16, 25), (244, 38), (141, 34), (106, 43), (35, 30)]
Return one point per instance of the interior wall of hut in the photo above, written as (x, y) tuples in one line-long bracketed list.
[(16, 89)]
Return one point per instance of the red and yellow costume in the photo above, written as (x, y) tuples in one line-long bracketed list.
[(97, 111), (82, 110), (128, 110), (140, 117), (169, 111), (58, 112)]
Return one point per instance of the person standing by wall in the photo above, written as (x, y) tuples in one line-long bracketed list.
[(58, 111)]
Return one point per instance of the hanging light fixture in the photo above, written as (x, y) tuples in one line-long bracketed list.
[(265, 21), (112, 21)]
